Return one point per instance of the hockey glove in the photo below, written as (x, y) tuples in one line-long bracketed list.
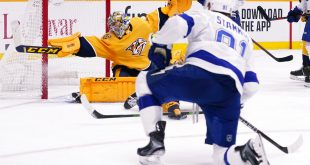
[(202, 2), (294, 15), (160, 55), (69, 45), (175, 7), (304, 18)]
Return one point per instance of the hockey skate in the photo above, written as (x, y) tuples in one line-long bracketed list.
[(298, 74), (131, 101), (75, 97), (307, 81), (151, 153), (253, 152)]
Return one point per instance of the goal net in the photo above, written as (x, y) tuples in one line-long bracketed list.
[(24, 75)]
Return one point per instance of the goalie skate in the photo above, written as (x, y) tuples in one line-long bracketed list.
[(131, 101)]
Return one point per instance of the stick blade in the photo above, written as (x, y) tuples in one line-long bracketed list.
[(285, 59), (94, 113), (296, 145)]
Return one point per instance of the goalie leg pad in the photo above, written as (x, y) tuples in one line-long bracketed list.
[(107, 89)]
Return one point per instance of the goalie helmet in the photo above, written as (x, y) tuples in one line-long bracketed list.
[(118, 23)]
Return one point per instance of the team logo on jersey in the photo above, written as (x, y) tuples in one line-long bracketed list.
[(137, 46), (229, 138)]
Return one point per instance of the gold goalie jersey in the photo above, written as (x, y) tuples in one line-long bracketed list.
[(131, 50)]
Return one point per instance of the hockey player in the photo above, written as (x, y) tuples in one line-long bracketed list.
[(294, 15), (235, 10), (235, 13), (217, 75), (126, 45)]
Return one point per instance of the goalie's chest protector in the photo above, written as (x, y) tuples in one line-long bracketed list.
[(132, 49)]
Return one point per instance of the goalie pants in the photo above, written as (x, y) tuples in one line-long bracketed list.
[(216, 94)]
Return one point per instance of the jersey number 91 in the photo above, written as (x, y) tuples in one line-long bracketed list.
[(227, 38)]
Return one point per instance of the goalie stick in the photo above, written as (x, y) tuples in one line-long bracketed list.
[(55, 50), (288, 149), (37, 49), (282, 59), (93, 112)]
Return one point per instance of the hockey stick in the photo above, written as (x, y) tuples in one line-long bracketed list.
[(264, 14), (37, 49), (289, 149), (282, 59), (16, 32), (93, 112)]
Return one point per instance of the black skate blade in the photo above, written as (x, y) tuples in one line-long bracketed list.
[(284, 59)]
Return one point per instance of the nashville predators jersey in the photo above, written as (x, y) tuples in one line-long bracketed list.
[(132, 49)]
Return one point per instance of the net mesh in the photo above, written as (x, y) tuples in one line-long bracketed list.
[(21, 73)]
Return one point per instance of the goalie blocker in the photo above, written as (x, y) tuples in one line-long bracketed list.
[(107, 89)]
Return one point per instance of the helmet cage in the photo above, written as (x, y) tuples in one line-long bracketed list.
[(118, 23)]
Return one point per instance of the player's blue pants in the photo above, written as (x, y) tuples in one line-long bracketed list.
[(216, 94)]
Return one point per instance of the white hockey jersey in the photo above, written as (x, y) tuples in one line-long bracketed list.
[(304, 6), (229, 46)]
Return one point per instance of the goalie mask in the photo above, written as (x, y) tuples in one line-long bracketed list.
[(118, 23)]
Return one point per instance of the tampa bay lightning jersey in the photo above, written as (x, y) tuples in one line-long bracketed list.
[(304, 6), (218, 35)]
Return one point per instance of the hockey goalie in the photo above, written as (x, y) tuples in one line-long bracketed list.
[(127, 45)]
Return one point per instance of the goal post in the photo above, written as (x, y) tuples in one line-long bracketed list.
[(24, 75)]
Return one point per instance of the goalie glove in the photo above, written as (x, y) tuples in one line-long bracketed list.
[(69, 45), (294, 15), (175, 7)]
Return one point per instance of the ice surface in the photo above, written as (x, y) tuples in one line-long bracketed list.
[(34, 132)]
